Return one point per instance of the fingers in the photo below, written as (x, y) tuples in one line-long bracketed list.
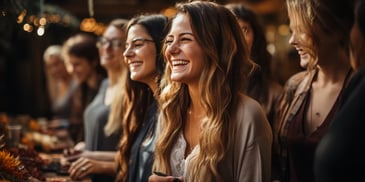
[(73, 158), (71, 151), (80, 146), (80, 168), (68, 151), (72, 154)]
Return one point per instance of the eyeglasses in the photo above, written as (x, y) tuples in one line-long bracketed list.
[(114, 43), (137, 43)]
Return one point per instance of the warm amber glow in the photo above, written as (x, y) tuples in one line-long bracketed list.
[(270, 33), (169, 12), (88, 24), (91, 25), (21, 16), (42, 21), (283, 30), (27, 27)]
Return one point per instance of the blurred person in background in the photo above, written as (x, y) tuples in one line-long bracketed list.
[(99, 145), (61, 86), (134, 108), (320, 34), (82, 58), (260, 85)]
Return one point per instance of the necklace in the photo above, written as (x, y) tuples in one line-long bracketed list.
[(193, 118), (193, 125), (190, 132)]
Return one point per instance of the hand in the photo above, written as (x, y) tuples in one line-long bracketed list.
[(82, 167), (164, 178), (80, 146), (71, 154), (56, 124)]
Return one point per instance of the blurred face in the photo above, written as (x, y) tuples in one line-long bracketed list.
[(81, 68), (183, 53), (55, 67), (247, 32), (111, 47), (140, 55), (300, 41)]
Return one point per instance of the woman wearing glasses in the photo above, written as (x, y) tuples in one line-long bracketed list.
[(99, 148), (141, 90)]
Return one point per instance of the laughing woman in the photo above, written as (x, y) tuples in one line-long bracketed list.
[(138, 98), (208, 130), (320, 34)]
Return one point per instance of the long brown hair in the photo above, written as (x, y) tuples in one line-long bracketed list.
[(259, 81), (227, 64), (138, 97)]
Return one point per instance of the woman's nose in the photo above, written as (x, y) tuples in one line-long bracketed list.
[(173, 48), (127, 52), (292, 39)]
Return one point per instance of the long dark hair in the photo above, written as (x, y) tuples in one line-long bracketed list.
[(139, 97), (258, 83)]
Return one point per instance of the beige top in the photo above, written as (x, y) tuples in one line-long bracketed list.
[(249, 160)]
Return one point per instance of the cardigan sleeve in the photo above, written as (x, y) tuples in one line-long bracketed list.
[(252, 151)]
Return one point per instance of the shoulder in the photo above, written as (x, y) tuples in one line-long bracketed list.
[(103, 86), (296, 84), (250, 113), (295, 79), (74, 83), (248, 104), (105, 82), (252, 127)]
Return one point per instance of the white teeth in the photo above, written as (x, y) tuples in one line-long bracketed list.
[(134, 62), (179, 62)]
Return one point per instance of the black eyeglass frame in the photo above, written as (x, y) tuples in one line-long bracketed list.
[(132, 45), (115, 43)]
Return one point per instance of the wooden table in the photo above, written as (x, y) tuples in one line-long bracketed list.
[(54, 177)]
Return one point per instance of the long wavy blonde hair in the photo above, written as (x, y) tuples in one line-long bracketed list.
[(227, 64)]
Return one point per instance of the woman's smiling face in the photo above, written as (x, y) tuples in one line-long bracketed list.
[(140, 54), (183, 53)]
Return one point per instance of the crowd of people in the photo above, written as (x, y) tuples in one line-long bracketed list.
[(192, 97)]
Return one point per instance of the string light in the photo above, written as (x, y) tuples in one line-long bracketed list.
[(40, 31), (50, 14)]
